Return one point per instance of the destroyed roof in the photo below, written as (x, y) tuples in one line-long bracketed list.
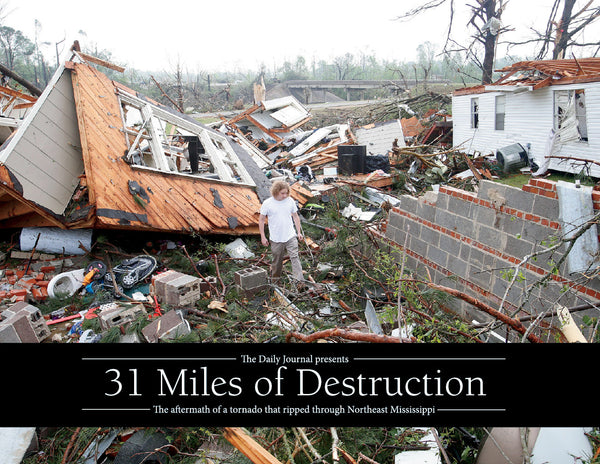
[(78, 138), (273, 119), (533, 75)]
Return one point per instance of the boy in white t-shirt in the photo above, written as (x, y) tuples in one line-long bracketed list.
[(282, 212)]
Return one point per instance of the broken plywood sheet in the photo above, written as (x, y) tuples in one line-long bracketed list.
[(44, 156), (379, 138)]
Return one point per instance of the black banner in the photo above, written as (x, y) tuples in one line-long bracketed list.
[(299, 385)]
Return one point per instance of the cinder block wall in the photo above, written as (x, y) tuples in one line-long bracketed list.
[(467, 241)]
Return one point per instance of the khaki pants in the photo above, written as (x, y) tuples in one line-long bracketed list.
[(279, 249)]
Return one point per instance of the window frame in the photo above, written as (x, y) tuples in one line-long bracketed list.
[(151, 139), (474, 112), (500, 117), (562, 98)]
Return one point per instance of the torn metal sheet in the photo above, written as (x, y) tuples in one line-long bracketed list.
[(379, 138), (372, 319), (575, 210)]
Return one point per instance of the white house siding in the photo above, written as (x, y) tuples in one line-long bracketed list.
[(45, 153), (528, 120)]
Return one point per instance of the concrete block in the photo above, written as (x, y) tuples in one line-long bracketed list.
[(207, 282), (545, 207), (417, 245), (438, 256), (477, 258), (251, 278), (460, 206), (431, 236), (446, 219), (169, 326), (537, 233), (119, 315), (465, 251), (491, 237), (425, 211), (492, 191), (520, 248), (479, 276), (519, 199), (8, 334), (465, 226), (457, 267), (450, 244), (395, 219), (511, 225), (409, 203), (27, 322), (441, 202), (484, 215), (177, 289)]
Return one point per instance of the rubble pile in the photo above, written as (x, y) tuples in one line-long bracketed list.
[(198, 180)]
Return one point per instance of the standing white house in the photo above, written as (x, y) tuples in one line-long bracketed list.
[(551, 108)]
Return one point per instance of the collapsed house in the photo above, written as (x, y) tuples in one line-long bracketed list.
[(547, 107), (92, 153)]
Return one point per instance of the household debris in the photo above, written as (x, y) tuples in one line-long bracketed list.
[(187, 178)]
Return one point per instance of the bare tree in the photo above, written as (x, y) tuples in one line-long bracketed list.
[(484, 19), (570, 25), (560, 34)]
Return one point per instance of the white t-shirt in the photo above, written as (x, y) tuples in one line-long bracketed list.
[(281, 225)]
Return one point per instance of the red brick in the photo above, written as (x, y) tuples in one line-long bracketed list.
[(9, 272), (27, 283), (39, 276), (17, 292), (42, 283), (12, 279), (530, 189), (3, 294), (47, 269), (40, 294), (545, 184), (19, 273)]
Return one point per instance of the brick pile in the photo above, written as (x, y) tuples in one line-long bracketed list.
[(16, 285)]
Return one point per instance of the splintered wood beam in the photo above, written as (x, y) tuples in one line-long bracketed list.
[(248, 446), (14, 93), (106, 64)]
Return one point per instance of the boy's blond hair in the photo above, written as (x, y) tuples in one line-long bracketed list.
[(278, 186)]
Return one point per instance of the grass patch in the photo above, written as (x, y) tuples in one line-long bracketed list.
[(519, 180)]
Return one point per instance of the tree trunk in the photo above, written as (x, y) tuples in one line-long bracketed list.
[(562, 31), (28, 85), (489, 43)]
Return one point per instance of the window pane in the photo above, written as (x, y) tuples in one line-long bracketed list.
[(474, 113), (500, 111)]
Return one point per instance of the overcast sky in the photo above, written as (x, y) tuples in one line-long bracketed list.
[(241, 35)]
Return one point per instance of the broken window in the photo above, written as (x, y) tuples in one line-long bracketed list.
[(160, 140), (570, 115), (500, 111), (474, 113)]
